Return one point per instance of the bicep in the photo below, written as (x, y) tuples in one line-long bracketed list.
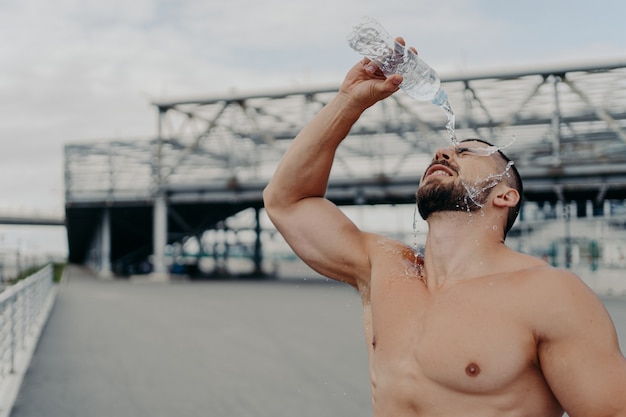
[(580, 355), (324, 238)]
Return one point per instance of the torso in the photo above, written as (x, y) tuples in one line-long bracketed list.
[(468, 350)]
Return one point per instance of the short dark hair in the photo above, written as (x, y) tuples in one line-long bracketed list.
[(513, 180)]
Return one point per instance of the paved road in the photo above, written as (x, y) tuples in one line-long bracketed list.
[(119, 348), (115, 348)]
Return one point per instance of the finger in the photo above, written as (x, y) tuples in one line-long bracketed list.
[(373, 70), (401, 41), (370, 67), (388, 87), (395, 80)]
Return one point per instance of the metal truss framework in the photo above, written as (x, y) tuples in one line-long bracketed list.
[(565, 128), (555, 120)]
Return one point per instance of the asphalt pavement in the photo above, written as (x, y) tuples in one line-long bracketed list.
[(217, 348)]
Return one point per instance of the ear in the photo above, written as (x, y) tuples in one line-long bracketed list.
[(506, 197)]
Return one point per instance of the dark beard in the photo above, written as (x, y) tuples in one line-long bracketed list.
[(436, 197)]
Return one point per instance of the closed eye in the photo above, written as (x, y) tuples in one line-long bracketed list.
[(472, 151)]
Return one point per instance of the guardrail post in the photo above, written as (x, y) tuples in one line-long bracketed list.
[(12, 333)]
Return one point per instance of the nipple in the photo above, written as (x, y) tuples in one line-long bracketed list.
[(472, 369)]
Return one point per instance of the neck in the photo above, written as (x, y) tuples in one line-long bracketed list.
[(461, 246)]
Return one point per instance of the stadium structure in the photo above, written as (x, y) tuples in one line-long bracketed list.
[(133, 205)]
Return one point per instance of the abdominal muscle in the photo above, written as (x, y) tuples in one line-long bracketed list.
[(447, 355)]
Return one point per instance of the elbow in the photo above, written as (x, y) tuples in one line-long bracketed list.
[(269, 200), (276, 203), (279, 201)]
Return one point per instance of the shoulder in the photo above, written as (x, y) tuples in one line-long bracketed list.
[(554, 286), (390, 257), (383, 248), (384, 243), (577, 345), (549, 282), (383, 255), (539, 278), (559, 301)]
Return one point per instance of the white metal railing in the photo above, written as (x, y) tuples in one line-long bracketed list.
[(23, 308)]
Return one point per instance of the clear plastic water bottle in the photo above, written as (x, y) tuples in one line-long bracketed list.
[(420, 81)]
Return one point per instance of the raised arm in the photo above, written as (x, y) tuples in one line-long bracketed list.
[(579, 352), (318, 232)]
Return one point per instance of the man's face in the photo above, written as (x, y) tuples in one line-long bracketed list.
[(459, 179)]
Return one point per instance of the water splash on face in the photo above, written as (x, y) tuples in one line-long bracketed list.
[(476, 192), (490, 149), (475, 196)]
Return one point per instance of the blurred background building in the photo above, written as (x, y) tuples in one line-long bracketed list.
[(188, 201)]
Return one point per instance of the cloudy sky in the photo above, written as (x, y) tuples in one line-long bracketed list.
[(81, 70)]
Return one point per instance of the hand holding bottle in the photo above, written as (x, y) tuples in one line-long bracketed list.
[(365, 84), (421, 82)]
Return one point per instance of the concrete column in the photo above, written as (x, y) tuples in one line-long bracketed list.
[(159, 237), (606, 208), (105, 244), (589, 209), (559, 209)]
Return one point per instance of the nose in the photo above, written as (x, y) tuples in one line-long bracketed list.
[(443, 153)]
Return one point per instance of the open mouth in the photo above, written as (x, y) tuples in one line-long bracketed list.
[(438, 170)]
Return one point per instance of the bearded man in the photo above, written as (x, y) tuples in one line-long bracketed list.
[(472, 328)]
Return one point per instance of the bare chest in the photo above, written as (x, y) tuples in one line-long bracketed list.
[(471, 340)]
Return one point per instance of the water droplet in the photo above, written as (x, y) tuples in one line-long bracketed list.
[(415, 232), (475, 192)]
